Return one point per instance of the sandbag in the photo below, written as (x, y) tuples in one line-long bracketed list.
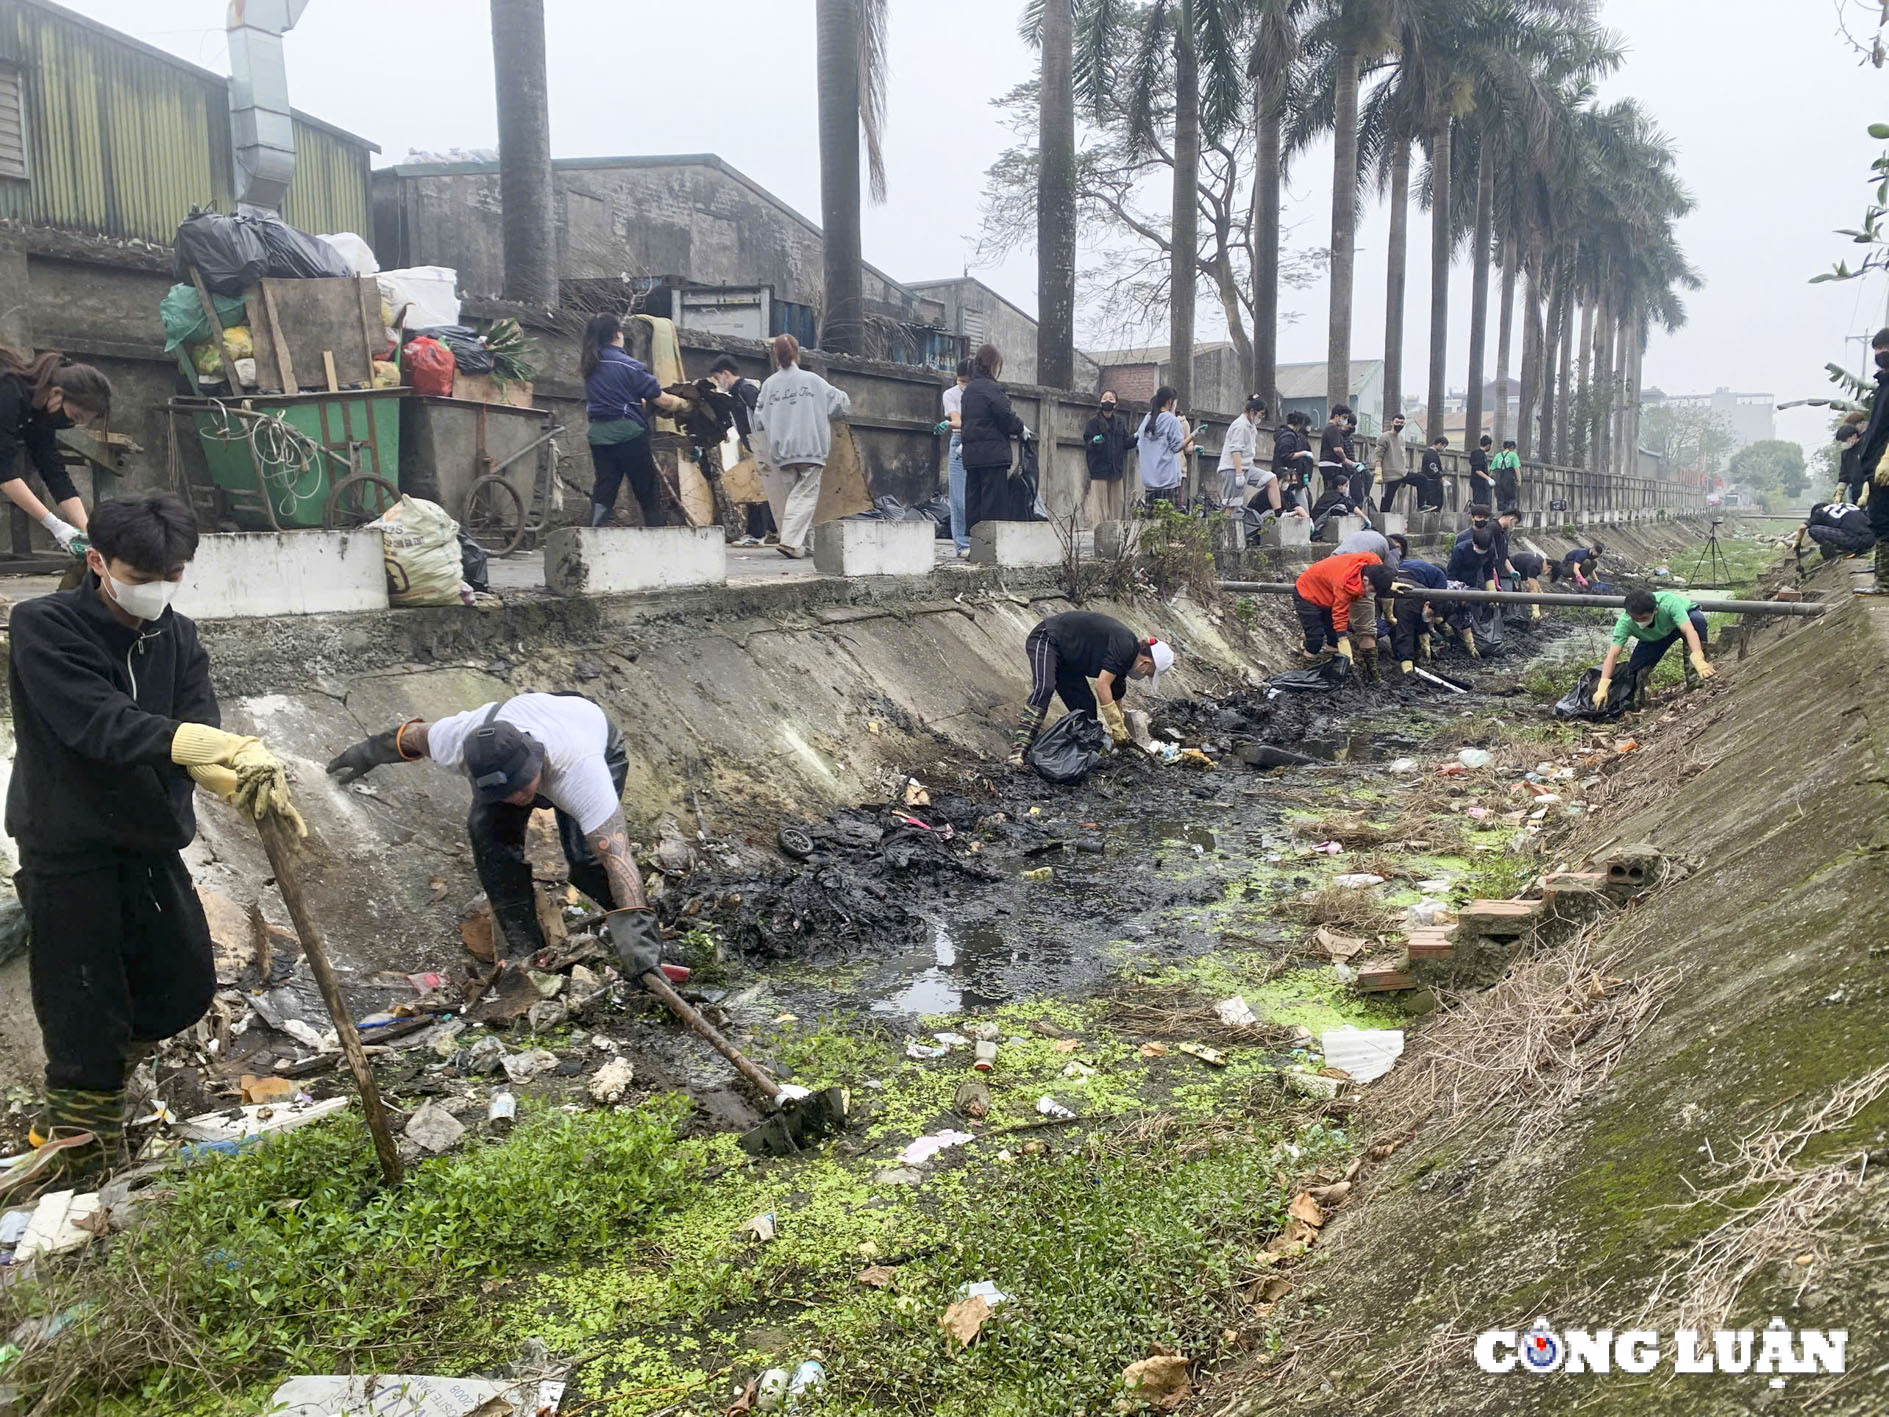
[(1068, 752), (469, 351), (228, 252), (430, 368), (424, 565), (1578, 702), (295, 255), (182, 314), (1324, 678)]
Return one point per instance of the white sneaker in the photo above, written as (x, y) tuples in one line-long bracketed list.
[(749, 541), (964, 554)]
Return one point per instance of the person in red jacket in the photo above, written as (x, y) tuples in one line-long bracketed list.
[(1331, 593)]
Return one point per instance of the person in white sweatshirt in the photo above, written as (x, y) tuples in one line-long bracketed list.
[(795, 410)]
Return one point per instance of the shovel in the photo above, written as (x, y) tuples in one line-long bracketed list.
[(799, 1121)]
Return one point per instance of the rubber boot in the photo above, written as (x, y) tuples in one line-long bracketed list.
[(1882, 567), (1029, 723), (76, 1137), (599, 514), (1367, 665)]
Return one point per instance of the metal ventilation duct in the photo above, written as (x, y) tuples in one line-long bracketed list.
[(262, 130)]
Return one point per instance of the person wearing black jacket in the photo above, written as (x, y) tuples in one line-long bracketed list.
[(1875, 466), (1334, 457), (38, 397), (746, 393), (1293, 460), (1481, 484), (1838, 528), (113, 718), (1105, 441), (989, 426)]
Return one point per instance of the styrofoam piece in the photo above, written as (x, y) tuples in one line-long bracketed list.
[(1364, 1053), (405, 1395), (54, 1228), (257, 1121)]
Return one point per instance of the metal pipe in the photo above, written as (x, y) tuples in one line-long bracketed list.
[(1520, 597)]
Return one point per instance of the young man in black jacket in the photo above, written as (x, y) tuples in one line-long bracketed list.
[(1105, 443), (114, 716)]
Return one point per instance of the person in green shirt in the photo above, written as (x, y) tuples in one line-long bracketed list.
[(1653, 620)]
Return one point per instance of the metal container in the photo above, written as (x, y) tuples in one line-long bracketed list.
[(449, 444), (361, 428)]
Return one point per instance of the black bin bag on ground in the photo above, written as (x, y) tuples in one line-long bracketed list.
[(1578, 702), (1325, 677), (1069, 751)]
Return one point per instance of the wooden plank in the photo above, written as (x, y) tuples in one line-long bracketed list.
[(328, 368), (285, 365), (373, 333), (216, 328), (310, 316)]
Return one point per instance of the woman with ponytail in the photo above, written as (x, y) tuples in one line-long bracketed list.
[(39, 396), (617, 390)]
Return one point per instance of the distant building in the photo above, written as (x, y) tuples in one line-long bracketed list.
[(684, 236), (1219, 386), (1752, 418), (982, 316)]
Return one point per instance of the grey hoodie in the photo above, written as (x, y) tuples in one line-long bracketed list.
[(794, 411)]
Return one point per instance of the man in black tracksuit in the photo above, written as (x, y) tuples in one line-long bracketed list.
[(1065, 652), (113, 716)]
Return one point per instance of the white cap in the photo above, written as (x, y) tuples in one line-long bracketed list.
[(1163, 657)]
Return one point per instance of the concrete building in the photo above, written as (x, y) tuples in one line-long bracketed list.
[(1752, 418), (1219, 386), (632, 228), (980, 314), (106, 144)]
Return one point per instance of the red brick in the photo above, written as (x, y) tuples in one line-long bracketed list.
[(1383, 976), (1498, 918), (1430, 944), (1574, 881)]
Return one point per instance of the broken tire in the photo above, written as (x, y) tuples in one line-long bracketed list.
[(796, 842)]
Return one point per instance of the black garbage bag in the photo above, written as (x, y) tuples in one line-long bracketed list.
[(295, 255), (228, 252), (1024, 493), (1069, 751), (470, 355), (1578, 702), (473, 564), (1323, 678), (939, 510)]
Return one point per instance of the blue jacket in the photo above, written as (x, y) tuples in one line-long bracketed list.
[(617, 387), (1423, 573), (1472, 567)]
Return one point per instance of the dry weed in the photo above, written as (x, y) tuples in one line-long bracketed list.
[(1350, 910), (1699, 1289), (1527, 1050)]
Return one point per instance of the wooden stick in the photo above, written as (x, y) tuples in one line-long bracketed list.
[(285, 366), (328, 367), (216, 328), (277, 842)]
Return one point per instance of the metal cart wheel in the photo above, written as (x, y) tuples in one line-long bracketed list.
[(358, 500), (494, 515)]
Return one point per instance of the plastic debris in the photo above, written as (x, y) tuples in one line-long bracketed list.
[(1041, 873), (915, 1049), (407, 1395), (1474, 758), (502, 1108), (522, 1067), (611, 1081), (1194, 758), (1075, 1071), (1365, 1054), (770, 1391), (485, 1056), (13, 1227), (915, 793), (262, 1091), (952, 1040), (59, 1224), (434, 1129), (762, 1227), (1356, 879), (1404, 765), (1329, 848), (984, 1289), (986, 1055), (1212, 1057), (1235, 1012), (1479, 814), (1050, 1107), (926, 1147), (240, 1124)]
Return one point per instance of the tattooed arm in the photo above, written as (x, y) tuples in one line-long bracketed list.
[(611, 845)]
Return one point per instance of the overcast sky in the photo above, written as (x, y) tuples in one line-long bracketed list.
[(1769, 114)]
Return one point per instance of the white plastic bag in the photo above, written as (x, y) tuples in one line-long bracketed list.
[(356, 252), (422, 553), (431, 294)]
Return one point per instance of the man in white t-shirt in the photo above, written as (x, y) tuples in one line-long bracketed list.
[(536, 750)]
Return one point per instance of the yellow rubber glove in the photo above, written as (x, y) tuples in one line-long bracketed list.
[(1406, 666), (1700, 663), (1602, 690), (1344, 648), (1881, 479), (238, 769), (1117, 725)]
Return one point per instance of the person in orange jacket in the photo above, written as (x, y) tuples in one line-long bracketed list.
[(1333, 593)]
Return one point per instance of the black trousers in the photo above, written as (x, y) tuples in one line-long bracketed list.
[(120, 955), (497, 831), (1315, 621), (761, 520), (1392, 485), (633, 460), (1408, 626), (1879, 511), (1048, 675), (1361, 480)]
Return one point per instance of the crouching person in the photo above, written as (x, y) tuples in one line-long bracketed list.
[(1065, 652), (114, 717), (1335, 599), (1653, 620), (1839, 529)]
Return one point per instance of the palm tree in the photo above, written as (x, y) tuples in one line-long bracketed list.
[(1276, 70), (1056, 199), (526, 193), (851, 65), (1184, 84)]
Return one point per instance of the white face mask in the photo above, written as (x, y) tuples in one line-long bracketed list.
[(141, 602)]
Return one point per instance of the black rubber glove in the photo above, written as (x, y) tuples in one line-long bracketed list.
[(639, 945), (365, 756)]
